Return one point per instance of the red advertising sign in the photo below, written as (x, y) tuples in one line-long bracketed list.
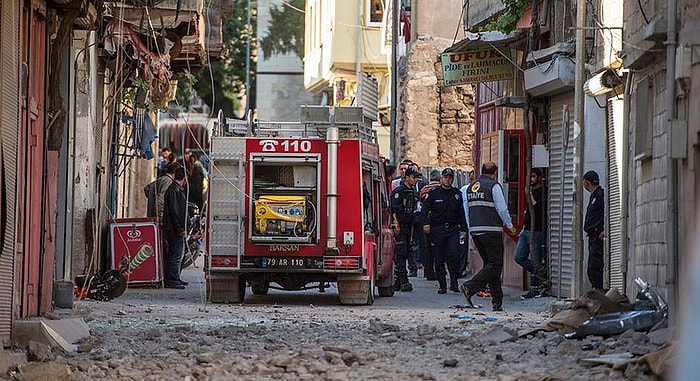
[(138, 239)]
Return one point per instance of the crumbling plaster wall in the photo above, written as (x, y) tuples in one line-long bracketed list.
[(435, 124)]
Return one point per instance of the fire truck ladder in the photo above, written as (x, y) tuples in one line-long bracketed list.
[(226, 210), (315, 121)]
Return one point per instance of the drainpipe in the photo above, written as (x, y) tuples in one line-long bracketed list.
[(578, 136), (358, 45), (332, 195), (624, 173), (672, 175)]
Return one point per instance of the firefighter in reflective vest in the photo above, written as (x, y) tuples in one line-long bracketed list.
[(487, 213), (442, 217), (403, 207)]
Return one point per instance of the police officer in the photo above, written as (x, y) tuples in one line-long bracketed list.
[(594, 226), (404, 201), (442, 217), (487, 212)]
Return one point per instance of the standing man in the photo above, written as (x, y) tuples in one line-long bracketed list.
[(175, 228), (418, 241), (487, 213), (428, 257), (595, 228), (442, 217), (402, 173), (534, 229), (163, 161), (403, 207)]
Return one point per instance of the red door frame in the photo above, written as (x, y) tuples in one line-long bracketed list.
[(32, 162)]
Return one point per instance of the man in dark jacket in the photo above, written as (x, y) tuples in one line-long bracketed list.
[(487, 213), (442, 217), (533, 228), (175, 220), (404, 201), (595, 228)]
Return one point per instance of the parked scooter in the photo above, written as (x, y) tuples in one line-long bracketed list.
[(195, 236)]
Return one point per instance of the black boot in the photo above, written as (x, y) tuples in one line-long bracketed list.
[(453, 285), (397, 285), (442, 286)]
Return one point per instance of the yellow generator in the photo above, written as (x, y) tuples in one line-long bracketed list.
[(280, 215)]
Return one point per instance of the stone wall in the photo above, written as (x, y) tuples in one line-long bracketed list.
[(435, 124)]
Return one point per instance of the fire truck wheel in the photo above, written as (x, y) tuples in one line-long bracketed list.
[(370, 292), (386, 291), (385, 286), (260, 287)]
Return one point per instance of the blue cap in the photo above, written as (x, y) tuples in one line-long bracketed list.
[(592, 176), (448, 172), (411, 171)]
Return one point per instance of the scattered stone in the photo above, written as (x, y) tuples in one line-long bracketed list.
[(426, 331), (7, 363), (283, 361), (499, 335), (37, 351), (639, 349), (451, 363), (206, 358), (153, 333), (660, 336), (628, 334), (376, 326), (640, 338), (37, 371)]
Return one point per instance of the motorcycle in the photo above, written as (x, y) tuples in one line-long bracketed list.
[(195, 236)]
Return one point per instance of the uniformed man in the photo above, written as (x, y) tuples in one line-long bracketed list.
[(442, 217), (403, 207), (487, 212), (595, 228)]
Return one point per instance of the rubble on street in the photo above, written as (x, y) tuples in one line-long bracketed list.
[(156, 334)]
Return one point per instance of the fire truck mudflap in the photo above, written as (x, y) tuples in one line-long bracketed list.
[(296, 207)]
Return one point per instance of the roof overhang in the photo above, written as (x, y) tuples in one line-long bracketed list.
[(480, 40)]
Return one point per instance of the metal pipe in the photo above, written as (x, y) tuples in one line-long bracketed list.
[(358, 44), (394, 79), (624, 173), (672, 179), (332, 195), (578, 136), (248, 29)]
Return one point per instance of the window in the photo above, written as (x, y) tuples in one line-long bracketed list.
[(375, 11), (644, 112)]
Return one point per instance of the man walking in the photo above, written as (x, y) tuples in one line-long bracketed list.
[(535, 228), (403, 207), (487, 212), (595, 228), (442, 217)]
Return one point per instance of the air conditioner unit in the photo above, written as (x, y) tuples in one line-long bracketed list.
[(551, 77)]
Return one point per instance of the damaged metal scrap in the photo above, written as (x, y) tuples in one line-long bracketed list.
[(642, 318)]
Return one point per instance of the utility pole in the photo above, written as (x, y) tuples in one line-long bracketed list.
[(394, 79), (578, 136), (249, 30)]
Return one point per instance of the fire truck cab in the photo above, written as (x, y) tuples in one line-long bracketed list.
[(297, 206)]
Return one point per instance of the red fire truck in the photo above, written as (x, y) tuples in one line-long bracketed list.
[(297, 206)]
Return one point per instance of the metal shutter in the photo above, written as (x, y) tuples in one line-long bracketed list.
[(616, 241), (9, 117), (557, 200)]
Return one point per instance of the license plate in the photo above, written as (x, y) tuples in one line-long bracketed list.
[(283, 263)]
